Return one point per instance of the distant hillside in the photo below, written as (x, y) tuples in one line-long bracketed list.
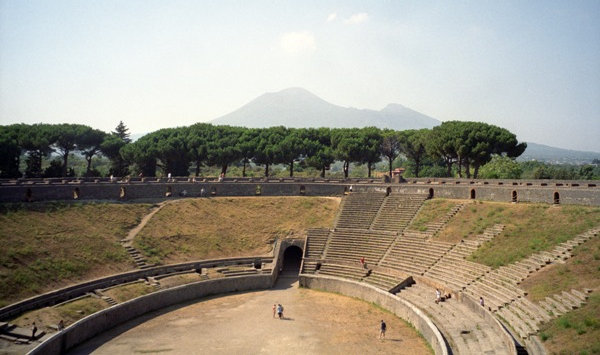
[(297, 107), (554, 155)]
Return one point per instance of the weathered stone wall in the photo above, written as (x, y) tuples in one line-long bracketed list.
[(70, 292), (392, 303), (544, 191), (104, 320)]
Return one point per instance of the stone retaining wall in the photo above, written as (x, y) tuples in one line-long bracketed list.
[(392, 303), (99, 322), (70, 292), (544, 191)]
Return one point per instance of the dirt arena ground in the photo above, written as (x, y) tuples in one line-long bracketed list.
[(314, 323)]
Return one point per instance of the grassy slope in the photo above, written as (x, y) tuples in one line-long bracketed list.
[(46, 246), (529, 228), (578, 331), (432, 211), (220, 227)]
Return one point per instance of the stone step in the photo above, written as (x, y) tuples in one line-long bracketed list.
[(582, 296)]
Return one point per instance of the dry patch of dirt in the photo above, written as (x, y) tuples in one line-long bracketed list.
[(205, 228), (314, 322)]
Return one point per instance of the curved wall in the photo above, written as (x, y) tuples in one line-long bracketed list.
[(70, 292), (104, 320), (392, 303)]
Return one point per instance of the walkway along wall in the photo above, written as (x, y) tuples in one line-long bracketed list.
[(70, 292), (544, 191), (392, 303)]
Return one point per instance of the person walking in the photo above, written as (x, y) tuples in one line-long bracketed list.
[(280, 311), (383, 328), (274, 309), (34, 330)]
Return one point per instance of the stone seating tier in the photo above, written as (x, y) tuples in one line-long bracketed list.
[(397, 211), (522, 328), (351, 245), (345, 271), (316, 239), (359, 210), (435, 227), (466, 330), (382, 280)]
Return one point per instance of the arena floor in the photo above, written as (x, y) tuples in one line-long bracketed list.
[(314, 323)]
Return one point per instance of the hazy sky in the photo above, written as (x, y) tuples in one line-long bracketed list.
[(532, 67)]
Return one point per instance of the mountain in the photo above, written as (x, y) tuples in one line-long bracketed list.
[(555, 155), (297, 107)]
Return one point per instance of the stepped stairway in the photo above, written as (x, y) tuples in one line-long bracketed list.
[(350, 245), (137, 257), (453, 270), (435, 227), (414, 255), (359, 210), (316, 240), (503, 296), (396, 211), (99, 294)]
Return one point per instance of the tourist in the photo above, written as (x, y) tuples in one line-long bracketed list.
[(362, 262), (350, 188), (280, 311), (481, 301), (202, 192), (274, 309), (383, 329), (61, 325), (33, 331), (221, 177), (169, 177), (438, 296)]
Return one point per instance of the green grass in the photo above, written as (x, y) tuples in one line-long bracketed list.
[(49, 245), (529, 228), (577, 332), (432, 211), (128, 292)]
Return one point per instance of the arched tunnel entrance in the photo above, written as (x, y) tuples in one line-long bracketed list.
[(292, 257)]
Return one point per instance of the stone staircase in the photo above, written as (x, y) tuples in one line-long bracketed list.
[(525, 317), (350, 245), (316, 239), (414, 255), (343, 270), (98, 293), (396, 211), (382, 280), (453, 270), (140, 261), (359, 210), (434, 227), (501, 293)]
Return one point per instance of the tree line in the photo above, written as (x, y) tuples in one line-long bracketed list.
[(460, 147)]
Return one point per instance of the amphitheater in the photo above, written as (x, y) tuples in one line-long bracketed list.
[(404, 266)]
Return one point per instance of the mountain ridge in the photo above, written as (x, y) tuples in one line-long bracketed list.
[(299, 108)]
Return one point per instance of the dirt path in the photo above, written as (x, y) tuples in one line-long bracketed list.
[(133, 232), (315, 323)]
